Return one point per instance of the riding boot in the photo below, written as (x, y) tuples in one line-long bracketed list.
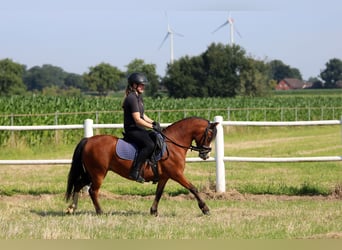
[(135, 171)]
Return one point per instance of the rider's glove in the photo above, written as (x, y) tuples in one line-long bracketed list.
[(156, 126)]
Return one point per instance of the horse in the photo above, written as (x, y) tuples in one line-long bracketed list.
[(94, 156)]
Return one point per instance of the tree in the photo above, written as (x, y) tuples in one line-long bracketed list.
[(254, 79), (223, 66), (38, 78), (316, 83), (11, 74), (279, 71), (332, 73), (103, 78), (184, 78), (74, 81), (139, 65), (221, 71)]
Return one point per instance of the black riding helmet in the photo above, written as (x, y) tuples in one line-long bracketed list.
[(137, 78)]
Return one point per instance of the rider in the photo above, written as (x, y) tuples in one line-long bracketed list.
[(136, 123)]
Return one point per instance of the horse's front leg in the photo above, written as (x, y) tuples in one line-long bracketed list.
[(159, 191), (188, 185), (204, 208)]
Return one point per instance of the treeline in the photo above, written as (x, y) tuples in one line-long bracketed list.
[(16, 79), (220, 71)]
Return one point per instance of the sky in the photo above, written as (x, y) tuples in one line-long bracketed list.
[(78, 34)]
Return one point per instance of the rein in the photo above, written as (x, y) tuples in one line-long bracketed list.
[(201, 148)]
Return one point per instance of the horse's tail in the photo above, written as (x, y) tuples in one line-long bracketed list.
[(77, 172)]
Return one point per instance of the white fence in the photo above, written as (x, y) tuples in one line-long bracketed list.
[(219, 158)]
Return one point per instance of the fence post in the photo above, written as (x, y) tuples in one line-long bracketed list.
[(88, 127), (341, 126), (219, 146)]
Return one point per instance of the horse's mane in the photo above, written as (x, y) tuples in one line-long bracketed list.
[(185, 119)]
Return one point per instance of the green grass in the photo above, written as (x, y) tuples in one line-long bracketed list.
[(312, 178), (263, 200), (41, 217), (307, 178)]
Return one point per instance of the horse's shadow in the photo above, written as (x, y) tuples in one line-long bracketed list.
[(128, 213), (42, 213)]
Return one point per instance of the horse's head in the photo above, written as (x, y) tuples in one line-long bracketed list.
[(184, 132), (203, 142)]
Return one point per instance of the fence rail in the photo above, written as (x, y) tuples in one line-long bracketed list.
[(219, 158)]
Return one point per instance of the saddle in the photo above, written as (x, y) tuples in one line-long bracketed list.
[(128, 151)]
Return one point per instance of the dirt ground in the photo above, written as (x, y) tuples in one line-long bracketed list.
[(208, 195)]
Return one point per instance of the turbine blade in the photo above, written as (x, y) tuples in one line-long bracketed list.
[(165, 38), (237, 32), (178, 34), (222, 25)]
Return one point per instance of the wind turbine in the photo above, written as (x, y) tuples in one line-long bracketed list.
[(170, 32), (230, 22)]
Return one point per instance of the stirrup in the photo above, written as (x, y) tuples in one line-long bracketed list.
[(137, 178), (154, 167), (140, 179)]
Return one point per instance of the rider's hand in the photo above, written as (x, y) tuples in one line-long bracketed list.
[(156, 126)]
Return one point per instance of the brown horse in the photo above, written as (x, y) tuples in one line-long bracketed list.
[(94, 156)]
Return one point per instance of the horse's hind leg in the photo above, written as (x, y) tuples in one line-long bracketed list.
[(73, 206), (78, 186), (159, 192), (94, 194)]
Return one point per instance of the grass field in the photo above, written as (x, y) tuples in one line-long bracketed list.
[(263, 200), (234, 216)]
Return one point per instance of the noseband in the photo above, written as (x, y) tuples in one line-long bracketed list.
[(202, 149)]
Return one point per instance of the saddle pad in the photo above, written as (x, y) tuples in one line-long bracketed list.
[(125, 150)]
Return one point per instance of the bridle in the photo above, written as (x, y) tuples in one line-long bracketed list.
[(201, 148)]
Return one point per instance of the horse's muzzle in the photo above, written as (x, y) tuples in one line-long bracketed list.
[(204, 152), (203, 156)]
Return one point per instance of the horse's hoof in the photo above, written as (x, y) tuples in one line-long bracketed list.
[(69, 210), (206, 212), (154, 212)]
